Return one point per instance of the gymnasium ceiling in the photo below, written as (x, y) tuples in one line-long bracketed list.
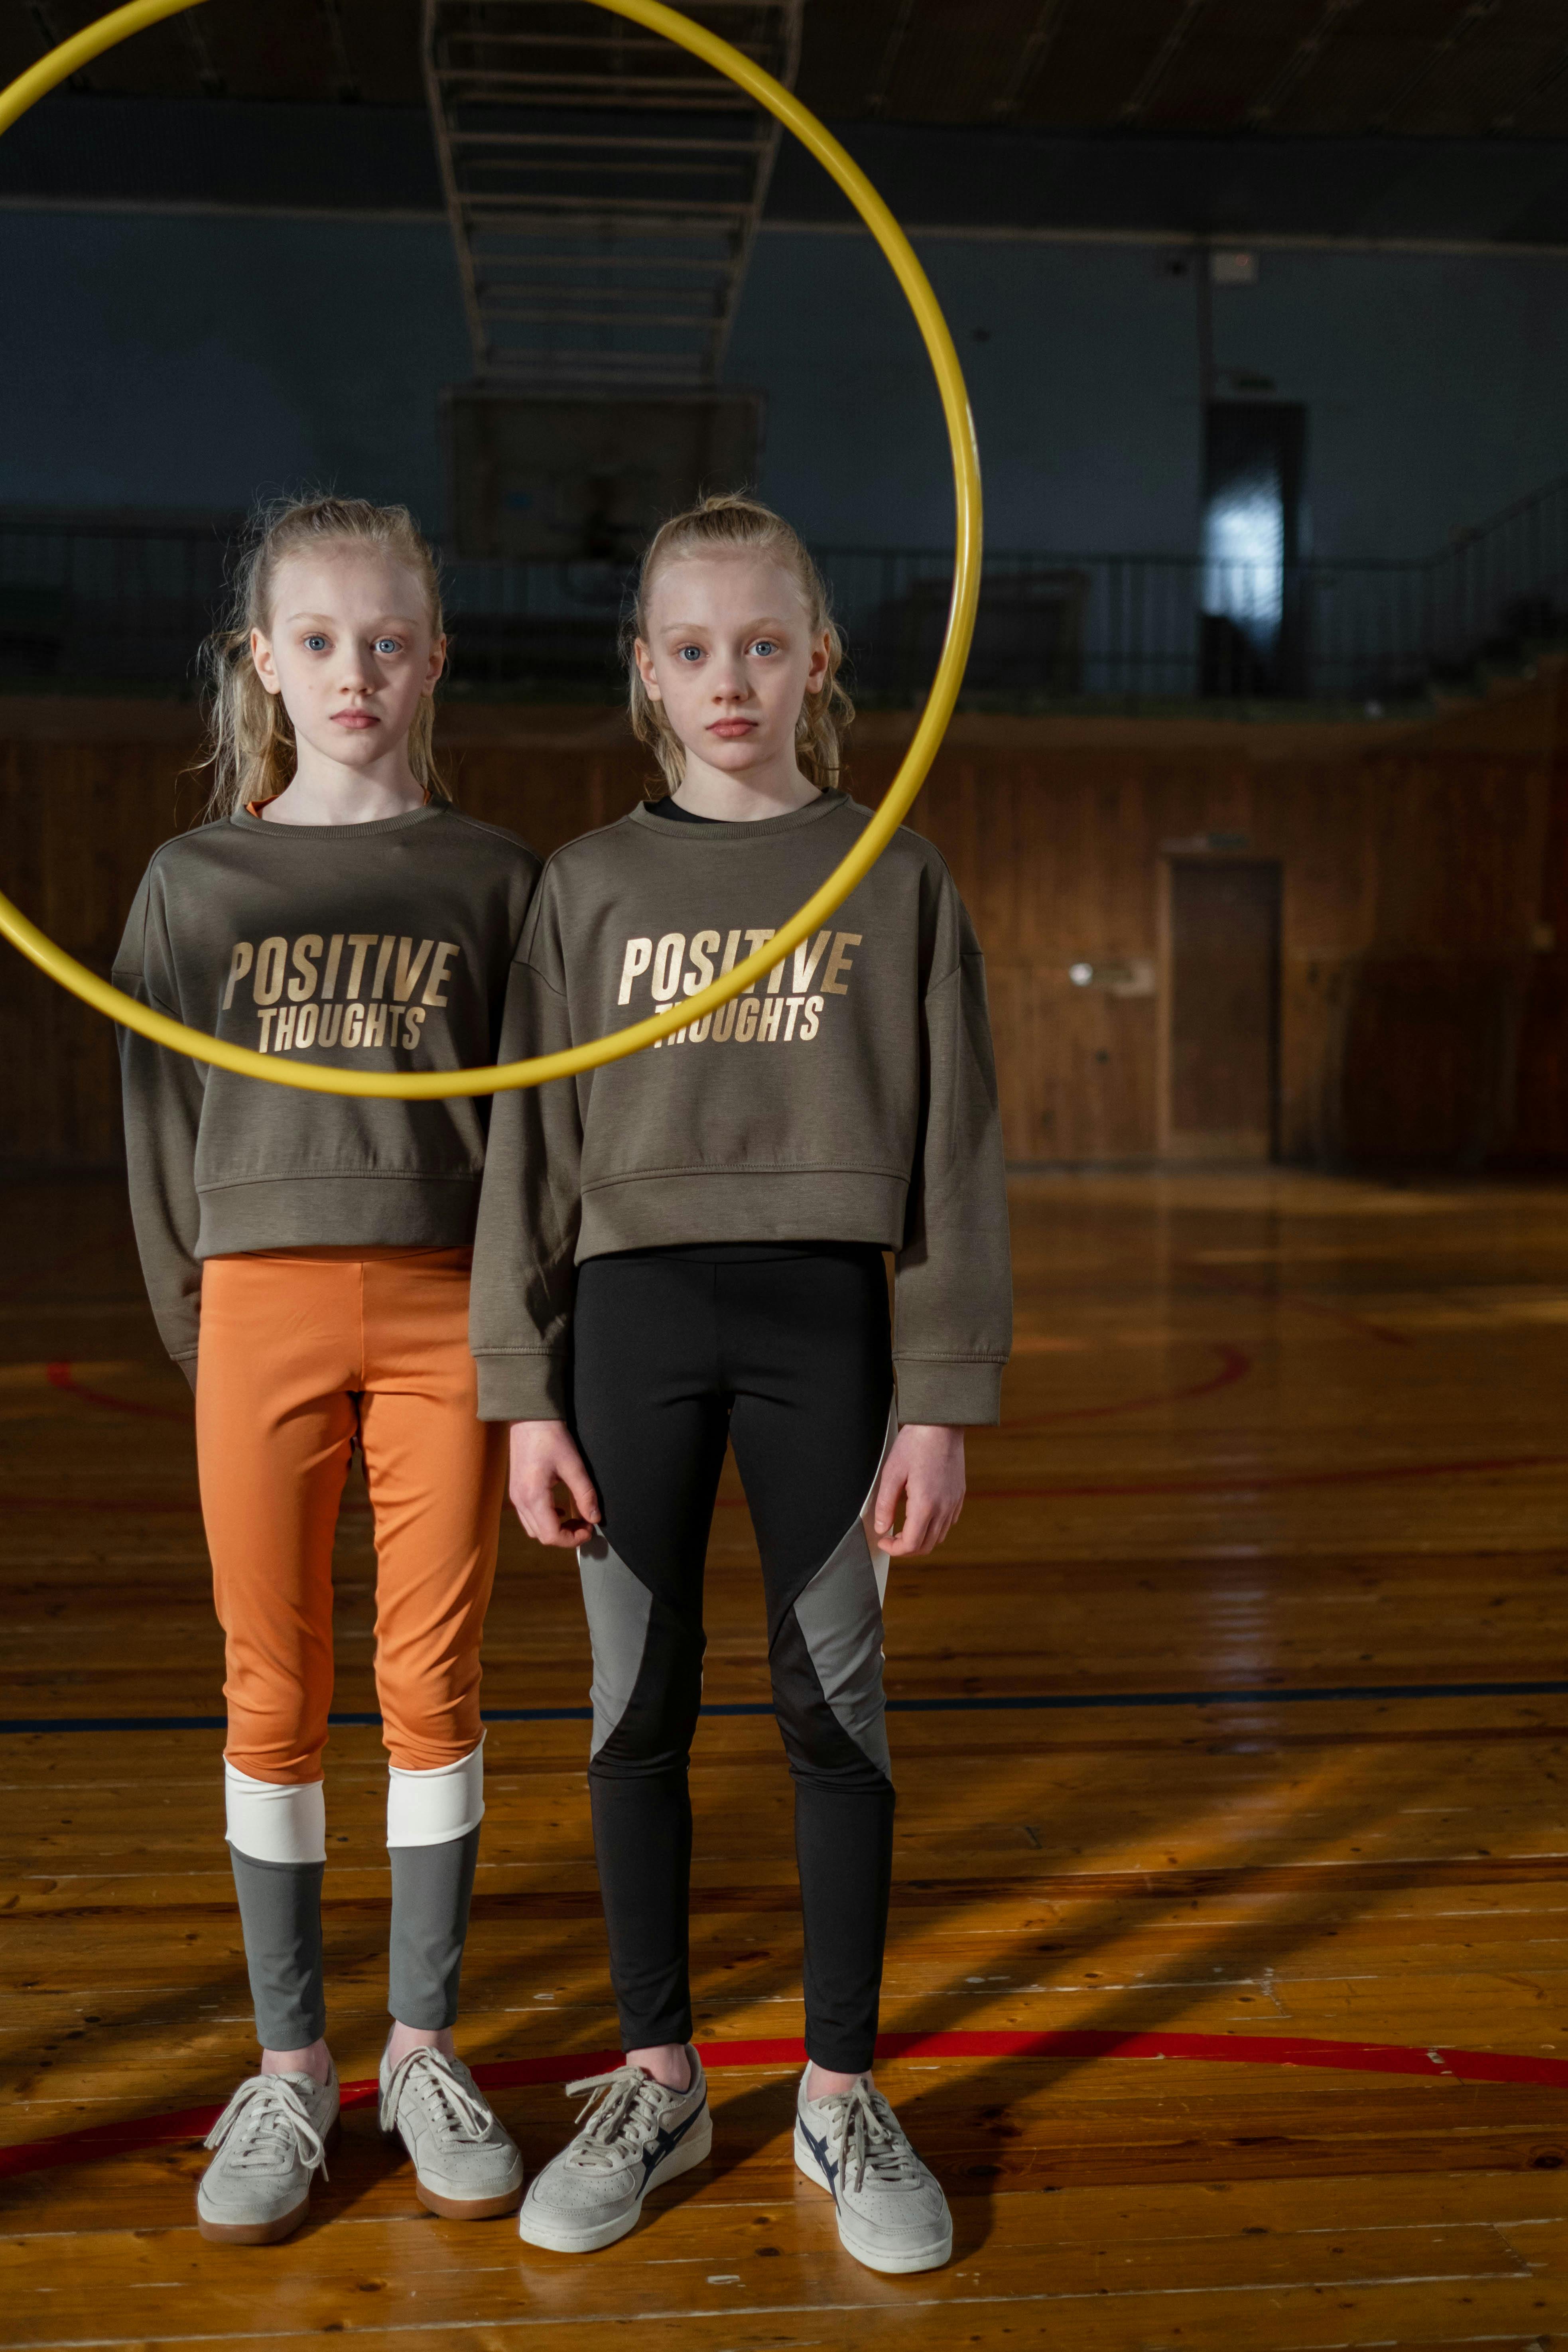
[(1341, 68)]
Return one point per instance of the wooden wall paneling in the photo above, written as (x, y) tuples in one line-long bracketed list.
[(1218, 1054), (80, 821), (1329, 868), (1411, 859), (548, 796), (1538, 1137), (1432, 1017)]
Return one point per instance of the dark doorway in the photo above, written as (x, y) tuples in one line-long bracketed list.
[(1222, 1010), (1253, 463)]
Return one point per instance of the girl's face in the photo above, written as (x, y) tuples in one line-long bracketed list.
[(350, 651), (730, 654)]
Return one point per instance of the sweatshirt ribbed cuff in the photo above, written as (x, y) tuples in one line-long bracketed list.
[(522, 1387), (962, 1392)]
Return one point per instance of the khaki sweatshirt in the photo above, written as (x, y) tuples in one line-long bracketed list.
[(365, 946), (849, 1097)]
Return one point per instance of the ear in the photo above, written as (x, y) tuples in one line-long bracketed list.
[(647, 671), (261, 660), (816, 674), (436, 664)]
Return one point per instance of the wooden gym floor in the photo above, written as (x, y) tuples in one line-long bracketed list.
[(1208, 1956)]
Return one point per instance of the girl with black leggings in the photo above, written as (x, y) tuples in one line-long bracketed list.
[(684, 1252)]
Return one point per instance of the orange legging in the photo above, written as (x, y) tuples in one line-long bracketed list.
[(301, 1352)]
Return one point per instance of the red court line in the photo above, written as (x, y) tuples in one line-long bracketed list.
[(59, 1375), (1234, 1365), (1306, 1306), (185, 2123)]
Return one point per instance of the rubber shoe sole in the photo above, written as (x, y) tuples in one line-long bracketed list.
[(261, 2233), (467, 2209), (252, 2233), (560, 2237), (930, 2256), (458, 2209)]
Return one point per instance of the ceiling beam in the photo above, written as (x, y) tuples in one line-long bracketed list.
[(1159, 65), (50, 34), (876, 100), (195, 38), (1297, 65), (1535, 85), (1467, 23), (1031, 57), (347, 84)]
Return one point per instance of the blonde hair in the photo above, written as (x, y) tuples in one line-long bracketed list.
[(714, 526), (250, 751)]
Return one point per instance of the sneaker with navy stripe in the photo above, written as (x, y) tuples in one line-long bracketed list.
[(632, 2136), (892, 2215)]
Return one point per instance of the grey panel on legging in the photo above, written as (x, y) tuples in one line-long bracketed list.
[(617, 1605), (432, 1886), (280, 1914), (840, 1615)]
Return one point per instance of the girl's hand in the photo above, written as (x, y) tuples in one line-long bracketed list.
[(545, 1459), (925, 1466)]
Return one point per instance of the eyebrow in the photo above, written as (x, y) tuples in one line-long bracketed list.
[(751, 628), (402, 619)]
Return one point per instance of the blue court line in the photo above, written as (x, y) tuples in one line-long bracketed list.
[(1052, 1703)]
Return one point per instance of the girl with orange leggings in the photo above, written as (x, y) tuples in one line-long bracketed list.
[(308, 1261)]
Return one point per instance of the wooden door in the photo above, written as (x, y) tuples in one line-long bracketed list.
[(1222, 1009)]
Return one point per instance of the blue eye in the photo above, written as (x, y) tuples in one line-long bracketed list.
[(690, 653), (315, 643), (388, 646), (765, 645)]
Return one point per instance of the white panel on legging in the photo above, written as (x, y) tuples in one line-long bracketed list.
[(275, 1821), (840, 1615), (433, 1807), (868, 1511), (618, 1606)]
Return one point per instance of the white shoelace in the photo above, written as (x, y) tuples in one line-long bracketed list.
[(271, 2119), (624, 2105), (430, 2073), (868, 2136)]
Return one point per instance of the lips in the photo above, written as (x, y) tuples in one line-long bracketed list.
[(355, 720), (732, 729)]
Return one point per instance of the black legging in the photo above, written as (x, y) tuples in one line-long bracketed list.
[(783, 1352)]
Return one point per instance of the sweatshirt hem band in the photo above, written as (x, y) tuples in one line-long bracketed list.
[(805, 1205), (330, 1212)]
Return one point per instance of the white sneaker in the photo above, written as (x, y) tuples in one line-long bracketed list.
[(636, 2136), (270, 2141), (892, 2215), (466, 2163)]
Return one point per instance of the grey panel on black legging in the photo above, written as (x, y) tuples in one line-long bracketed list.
[(840, 1615), (280, 1914), (617, 1605), (432, 1886)]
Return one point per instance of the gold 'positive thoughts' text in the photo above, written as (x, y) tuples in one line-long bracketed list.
[(364, 989), (787, 1009)]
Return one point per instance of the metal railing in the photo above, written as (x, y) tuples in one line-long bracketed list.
[(90, 604)]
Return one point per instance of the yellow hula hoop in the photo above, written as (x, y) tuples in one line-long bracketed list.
[(426, 1086)]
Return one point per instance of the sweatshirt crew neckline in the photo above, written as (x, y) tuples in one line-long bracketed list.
[(715, 830), (369, 829)]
